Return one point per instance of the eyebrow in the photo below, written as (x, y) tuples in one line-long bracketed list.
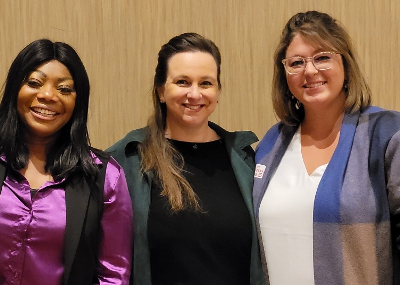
[(318, 50), (209, 78), (45, 76), (203, 77)]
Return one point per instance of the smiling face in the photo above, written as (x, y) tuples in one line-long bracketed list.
[(190, 91), (46, 100), (316, 89)]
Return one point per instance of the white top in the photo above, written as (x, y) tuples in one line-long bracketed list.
[(286, 219)]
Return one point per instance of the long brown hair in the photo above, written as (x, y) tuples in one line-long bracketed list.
[(321, 30), (157, 154)]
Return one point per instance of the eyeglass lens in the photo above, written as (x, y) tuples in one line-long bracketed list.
[(297, 64)]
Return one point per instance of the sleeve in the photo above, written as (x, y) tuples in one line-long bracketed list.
[(392, 165), (115, 248)]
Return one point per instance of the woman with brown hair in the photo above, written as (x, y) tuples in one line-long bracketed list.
[(190, 180), (327, 183)]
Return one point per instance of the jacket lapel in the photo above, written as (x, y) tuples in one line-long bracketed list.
[(268, 156), (77, 195), (2, 175), (327, 199)]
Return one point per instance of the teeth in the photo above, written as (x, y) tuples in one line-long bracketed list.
[(314, 85), (193, 107), (44, 112)]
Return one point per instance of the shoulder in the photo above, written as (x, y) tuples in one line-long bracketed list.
[(114, 174), (127, 145), (374, 112), (99, 156), (107, 164), (113, 168), (238, 139), (380, 121), (271, 137)]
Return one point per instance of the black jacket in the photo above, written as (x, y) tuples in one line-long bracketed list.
[(84, 206)]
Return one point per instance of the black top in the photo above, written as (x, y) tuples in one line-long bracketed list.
[(209, 247)]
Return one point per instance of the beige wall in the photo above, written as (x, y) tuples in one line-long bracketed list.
[(118, 41)]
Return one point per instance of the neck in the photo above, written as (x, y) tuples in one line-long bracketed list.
[(35, 171), (321, 122), (322, 127), (37, 152), (35, 142), (201, 134), (36, 165)]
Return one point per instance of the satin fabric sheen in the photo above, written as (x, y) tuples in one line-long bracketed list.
[(32, 231)]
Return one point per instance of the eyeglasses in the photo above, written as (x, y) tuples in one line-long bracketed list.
[(321, 61)]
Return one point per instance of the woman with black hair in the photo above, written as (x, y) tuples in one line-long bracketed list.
[(65, 212)]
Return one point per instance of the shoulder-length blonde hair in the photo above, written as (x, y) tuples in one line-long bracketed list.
[(320, 30)]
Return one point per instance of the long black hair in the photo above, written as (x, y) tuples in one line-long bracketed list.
[(71, 149)]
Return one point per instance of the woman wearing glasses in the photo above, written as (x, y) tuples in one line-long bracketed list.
[(327, 183)]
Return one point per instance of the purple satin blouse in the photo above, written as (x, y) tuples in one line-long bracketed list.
[(32, 228)]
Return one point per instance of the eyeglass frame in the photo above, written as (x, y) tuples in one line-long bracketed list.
[(307, 59)]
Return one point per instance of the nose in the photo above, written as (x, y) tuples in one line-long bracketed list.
[(310, 68), (47, 93), (194, 92)]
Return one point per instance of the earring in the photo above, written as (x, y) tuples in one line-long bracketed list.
[(345, 86), (297, 103), (161, 101)]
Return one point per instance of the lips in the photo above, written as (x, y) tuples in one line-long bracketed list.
[(44, 112)]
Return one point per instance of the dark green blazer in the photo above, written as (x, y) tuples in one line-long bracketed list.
[(125, 151)]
